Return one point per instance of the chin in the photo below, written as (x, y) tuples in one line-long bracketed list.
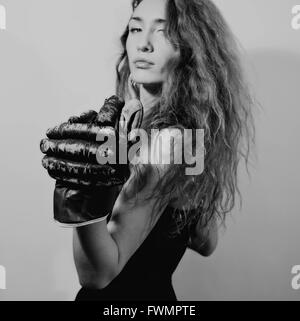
[(144, 77)]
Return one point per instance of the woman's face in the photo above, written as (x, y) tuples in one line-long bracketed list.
[(147, 41)]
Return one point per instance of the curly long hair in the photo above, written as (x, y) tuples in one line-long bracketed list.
[(206, 88)]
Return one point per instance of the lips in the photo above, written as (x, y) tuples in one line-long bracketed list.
[(142, 65), (143, 61)]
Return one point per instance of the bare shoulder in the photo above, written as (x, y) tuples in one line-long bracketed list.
[(132, 220), (204, 240), (168, 145)]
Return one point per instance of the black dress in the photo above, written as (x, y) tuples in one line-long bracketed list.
[(148, 273)]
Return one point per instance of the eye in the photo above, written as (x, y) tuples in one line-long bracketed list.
[(163, 30), (132, 30)]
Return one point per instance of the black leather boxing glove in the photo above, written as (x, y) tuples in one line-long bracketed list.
[(85, 191), (76, 205)]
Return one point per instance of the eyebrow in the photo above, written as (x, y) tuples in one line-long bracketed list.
[(159, 20)]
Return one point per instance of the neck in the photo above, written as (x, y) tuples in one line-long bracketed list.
[(149, 95)]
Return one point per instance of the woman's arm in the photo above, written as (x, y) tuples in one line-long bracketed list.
[(95, 254), (101, 250), (204, 240)]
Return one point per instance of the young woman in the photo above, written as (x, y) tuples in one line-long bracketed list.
[(181, 61)]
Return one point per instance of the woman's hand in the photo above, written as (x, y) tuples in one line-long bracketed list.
[(133, 111), (133, 89), (85, 190)]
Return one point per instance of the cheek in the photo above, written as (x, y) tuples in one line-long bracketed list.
[(169, 54), (172, 52), (167, 51)]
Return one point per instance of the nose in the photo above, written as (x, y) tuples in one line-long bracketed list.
[(145, 43)]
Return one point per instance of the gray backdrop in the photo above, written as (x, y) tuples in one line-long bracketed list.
[(57, 59)]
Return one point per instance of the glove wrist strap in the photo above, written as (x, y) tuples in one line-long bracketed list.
[(83, 223)]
